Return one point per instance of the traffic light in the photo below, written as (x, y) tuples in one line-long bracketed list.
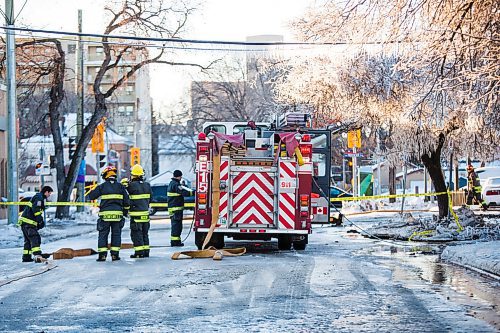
[(101, 159), (135, 156), (72, 146)]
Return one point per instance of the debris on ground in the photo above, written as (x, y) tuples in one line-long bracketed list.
[(431, 229)]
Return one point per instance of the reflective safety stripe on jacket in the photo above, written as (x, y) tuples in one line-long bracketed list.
[(140, 196), (112, 196), (141, 216), (26, 220), (173, 194), (111, 215)]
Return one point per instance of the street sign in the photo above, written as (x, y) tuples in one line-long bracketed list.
[(354, 155), (354, 139), (98, 138)]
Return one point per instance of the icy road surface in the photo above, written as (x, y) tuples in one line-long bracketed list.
[(341, 283)]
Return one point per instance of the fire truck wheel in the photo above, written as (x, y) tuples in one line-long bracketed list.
[(299, 246), (284, 242)]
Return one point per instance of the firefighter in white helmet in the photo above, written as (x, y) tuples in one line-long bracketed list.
[(140, 197)]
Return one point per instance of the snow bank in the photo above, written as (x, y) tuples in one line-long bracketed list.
[(83, 223), (411, 203), (407, 227), (481, 255)]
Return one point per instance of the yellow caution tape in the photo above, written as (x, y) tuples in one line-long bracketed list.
[(95, 204), (455, 216), (371, 197), (421, 233)]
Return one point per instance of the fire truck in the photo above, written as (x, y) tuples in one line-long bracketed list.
[(259, 181)]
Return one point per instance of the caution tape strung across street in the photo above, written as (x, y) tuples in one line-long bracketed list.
[(372, 197), (94, 204)]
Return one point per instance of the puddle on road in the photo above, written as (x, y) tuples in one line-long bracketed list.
[(478, 294)]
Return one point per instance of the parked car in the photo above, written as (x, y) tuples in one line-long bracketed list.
[(160, 196), (491, 191), (337, 192)]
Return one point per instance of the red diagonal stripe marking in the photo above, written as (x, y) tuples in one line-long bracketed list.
[(263, 214), (287, 170), (287, 212), (254, 178), (242, 198), (285, 223), (289, 199)]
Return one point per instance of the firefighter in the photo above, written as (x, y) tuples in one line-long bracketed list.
[(175, 198), (140, 196), (113, 208), (474, 188), (31, 220)]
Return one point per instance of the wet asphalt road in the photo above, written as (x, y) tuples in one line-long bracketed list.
[(340, 283)]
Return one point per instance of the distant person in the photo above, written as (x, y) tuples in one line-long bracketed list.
[(31, 220), (474, 188), (175, 198), (140, 197), (113, 208)]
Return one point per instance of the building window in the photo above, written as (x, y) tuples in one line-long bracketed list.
[(121, 130), (121, 109), (130, 89), (98, 50), (71, 48), (130, 110), (130, 129)]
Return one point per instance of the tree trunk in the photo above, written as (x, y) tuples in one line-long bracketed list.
[(392, 182), (56, 98), (432, 162), (88, 131)]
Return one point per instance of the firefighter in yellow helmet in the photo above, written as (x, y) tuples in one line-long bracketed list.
[(140, 197), (113, 208)]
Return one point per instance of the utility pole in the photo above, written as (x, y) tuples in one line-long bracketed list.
[(355, 191), (12, 175), (80, 110)]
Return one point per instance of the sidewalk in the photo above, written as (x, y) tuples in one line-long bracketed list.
[(482, 256)]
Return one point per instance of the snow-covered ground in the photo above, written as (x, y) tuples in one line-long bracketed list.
[(480, 255)]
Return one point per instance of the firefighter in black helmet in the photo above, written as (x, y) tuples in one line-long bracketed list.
[(31, 220), (175, 198), (140, 196), (113, 208)]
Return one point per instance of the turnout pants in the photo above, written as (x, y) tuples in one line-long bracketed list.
[(477, 196), (139, 232), (116, 236), (32, 240), (176, 220)]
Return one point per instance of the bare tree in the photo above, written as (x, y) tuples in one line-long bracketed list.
[(146, 18)]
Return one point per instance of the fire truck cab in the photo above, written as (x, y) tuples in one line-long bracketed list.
[(273, 181)]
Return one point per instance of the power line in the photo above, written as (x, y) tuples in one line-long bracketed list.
[(194, 41)]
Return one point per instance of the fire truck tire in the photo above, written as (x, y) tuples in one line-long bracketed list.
[(216, 241), (284, 242), (299, 246)]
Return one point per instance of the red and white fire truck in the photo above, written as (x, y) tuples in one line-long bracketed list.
[(274, 181)]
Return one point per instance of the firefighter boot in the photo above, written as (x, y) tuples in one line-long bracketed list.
[(27, 258), (115, 257), (176, 243), (102, 257), (146, 253), (137, 254)]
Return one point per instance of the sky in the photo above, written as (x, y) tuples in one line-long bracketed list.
[(232, 20)]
